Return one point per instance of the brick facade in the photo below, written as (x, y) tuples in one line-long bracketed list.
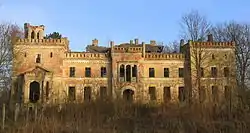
[(46, 70)]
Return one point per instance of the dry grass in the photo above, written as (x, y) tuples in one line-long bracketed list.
[(119, 117)]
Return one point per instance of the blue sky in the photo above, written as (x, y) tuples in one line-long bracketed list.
[(118, 20)]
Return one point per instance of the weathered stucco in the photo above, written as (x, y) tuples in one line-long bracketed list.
[(56, 60)]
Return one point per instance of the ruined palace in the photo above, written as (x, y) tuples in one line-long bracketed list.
[(46, 70)]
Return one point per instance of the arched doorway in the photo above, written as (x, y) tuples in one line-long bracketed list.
[(128, 95), (34, 92)]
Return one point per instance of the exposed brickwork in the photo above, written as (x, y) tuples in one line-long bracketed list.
[(56, 60)]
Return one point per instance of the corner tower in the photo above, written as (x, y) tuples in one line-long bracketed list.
[(37, 65), (33, 32)]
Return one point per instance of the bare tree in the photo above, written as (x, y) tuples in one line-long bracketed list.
[(172, 47), (8, 33), (240, 33), (194, 26)]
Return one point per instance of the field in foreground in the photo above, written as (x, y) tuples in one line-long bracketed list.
[(118, 117)]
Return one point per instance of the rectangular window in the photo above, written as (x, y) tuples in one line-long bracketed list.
[(72, 93), (87, 72), (151, 72), (166, 72), (227, 93), (181, 95), (202, 94), (226, 72), (47, 90), (38, 58), (202, 72), (152, 93), (213, 72), (166, 94), (103, 72), (215, 94), (103, 92), (72, 72), (181, 72), (87, 94)]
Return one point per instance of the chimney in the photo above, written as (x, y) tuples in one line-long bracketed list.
[(210, 38), (181, 42), (136, 41), (111, 43), (152, 42), (95, 42), (143, 49), (131, 42)]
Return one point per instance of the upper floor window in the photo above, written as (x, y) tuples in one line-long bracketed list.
[(122, 71), (51, 54), (128, 73), (166, 72), (213, 71), (87, 72), (72, 72), (226, 72), (181, 72), (151, 72), (32, 35), (213, 57), (134, 71), (38, 58), (103, 72)]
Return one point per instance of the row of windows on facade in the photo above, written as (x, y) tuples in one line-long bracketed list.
[(127, 72), (38, 57), (87, 72), (152, 93), (33, 35)]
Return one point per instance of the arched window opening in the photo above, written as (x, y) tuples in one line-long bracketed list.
[(34, 95), (134, 71), (51, 54), (128, 95), (38, 36), (32, 35), (128, 73), (213, 57), (122, 71)]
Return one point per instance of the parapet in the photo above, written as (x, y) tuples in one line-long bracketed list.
[(128, 49), (86, 55), (164, 56), (212, 44), (62, 41)]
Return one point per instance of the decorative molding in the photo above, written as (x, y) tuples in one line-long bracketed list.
[(86, 61)]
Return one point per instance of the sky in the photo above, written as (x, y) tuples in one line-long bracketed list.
[(118, 20)]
